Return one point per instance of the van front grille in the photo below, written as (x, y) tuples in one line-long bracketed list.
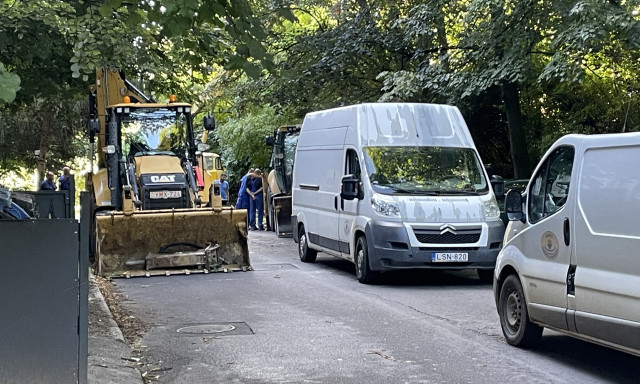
[(448, 235)]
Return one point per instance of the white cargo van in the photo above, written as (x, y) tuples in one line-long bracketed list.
[(394, 186), (571, 259)]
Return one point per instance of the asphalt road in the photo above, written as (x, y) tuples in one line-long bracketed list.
[(290, 322)]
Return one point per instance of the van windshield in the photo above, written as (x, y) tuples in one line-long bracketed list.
[(425, 170)]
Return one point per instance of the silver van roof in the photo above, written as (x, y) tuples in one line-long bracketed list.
[(396, 124)]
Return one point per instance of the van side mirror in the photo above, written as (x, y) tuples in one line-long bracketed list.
[(350, 188), (513, 206), (497, 182), (209, 123), (270, 141)]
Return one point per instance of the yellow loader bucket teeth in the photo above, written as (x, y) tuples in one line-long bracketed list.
[(194, 240)]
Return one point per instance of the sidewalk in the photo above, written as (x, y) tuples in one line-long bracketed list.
[(109, 356)]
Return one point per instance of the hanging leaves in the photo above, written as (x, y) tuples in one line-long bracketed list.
[(9, 84)]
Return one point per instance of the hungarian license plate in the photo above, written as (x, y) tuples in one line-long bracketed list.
[(449, 257), (166, 194)]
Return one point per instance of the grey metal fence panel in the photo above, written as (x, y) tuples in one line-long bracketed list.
[(52, 204), (40, 302)]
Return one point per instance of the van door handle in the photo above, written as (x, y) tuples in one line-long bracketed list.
[(310, 187), (566, 232), (335, 202)]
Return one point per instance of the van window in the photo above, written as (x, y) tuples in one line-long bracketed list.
[(352, 165), (550, 187), (425, 170)]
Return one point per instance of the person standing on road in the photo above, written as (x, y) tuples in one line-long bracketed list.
[(243, 196), (64, 181), (224, 189), (48, 184), (254, 189)]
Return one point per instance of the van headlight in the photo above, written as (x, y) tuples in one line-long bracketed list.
[(491, 208), (384, 207)]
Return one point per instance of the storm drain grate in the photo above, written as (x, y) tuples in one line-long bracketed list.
[(223, 329)]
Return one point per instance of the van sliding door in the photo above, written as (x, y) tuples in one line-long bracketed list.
[(607, 287), (317, 193)]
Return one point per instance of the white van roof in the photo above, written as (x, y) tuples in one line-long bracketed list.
[(396, 124), (582, 141)]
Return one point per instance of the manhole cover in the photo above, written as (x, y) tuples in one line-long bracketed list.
[(208, 328)]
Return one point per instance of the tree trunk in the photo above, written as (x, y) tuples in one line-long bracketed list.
[(517, 138), (441, 36), (44, 146)]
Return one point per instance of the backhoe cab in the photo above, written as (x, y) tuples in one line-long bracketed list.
[(279, 180)]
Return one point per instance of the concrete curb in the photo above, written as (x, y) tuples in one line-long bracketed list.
[(96, 294), (108, 352)]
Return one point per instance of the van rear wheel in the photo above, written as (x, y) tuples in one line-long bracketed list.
[(363, 272), (514, 317), (306, 254)]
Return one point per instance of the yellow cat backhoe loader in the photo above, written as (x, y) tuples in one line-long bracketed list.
[(148, 210)]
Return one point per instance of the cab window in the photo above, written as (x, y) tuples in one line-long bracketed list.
[(550, 186), (352, 165), (208, 163)]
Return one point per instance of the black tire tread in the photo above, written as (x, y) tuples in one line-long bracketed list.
[(527, 334), (366, 275), (306, 254)]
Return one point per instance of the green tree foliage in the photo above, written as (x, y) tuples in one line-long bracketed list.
[(45, 116), (172, 43), (242, 142)]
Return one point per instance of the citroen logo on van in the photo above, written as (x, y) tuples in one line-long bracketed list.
[(447, 228)]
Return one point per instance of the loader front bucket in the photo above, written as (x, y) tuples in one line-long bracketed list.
[(162, 242)]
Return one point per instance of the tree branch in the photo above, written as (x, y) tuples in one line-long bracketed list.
[(320, 24)]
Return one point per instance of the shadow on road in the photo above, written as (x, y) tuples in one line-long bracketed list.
[(609, 364), (414, 277)]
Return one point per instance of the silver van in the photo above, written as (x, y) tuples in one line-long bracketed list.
[(392, 186), (571, 255)]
